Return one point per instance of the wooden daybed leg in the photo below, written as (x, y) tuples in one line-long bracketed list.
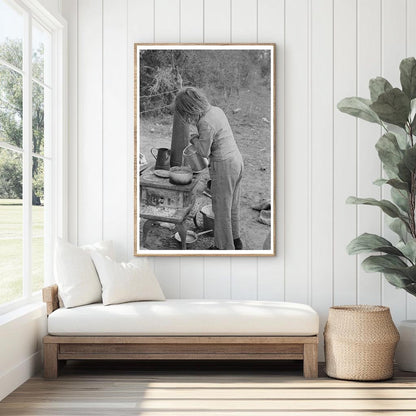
[(310, 360), (50, 360)]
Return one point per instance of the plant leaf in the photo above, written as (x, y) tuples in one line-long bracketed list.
[(395, 270), (400, 198), (389, 151), (411, 289), (400, 228), (392, 107), (388, 207), (395, 183), (404, 173), (408, 77), (396, 280), (380, 263), (366, 243), (378, 86), (412, 109), (408, 249), (359, 107), (410, 158), (410, 272), (398, 184), (380, 182), (401, 139)]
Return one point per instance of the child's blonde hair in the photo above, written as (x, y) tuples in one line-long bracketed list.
[(191, 104)]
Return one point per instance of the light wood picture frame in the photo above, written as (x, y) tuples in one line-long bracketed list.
[(220, 100)]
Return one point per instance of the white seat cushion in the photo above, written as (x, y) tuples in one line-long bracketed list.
[(187, 317)]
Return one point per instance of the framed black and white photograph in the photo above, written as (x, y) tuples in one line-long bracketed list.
[(204, 149)]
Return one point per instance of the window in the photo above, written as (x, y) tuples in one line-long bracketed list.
[(31, 141)]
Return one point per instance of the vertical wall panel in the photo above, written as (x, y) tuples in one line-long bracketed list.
[(345, 151), (296, 152), (192, 21), (244, 278), (244, 21), (411, 51), (271, 29), (167, 29), (140, 30), (70, 11), (244, 29), (217, 28), (393, 51), (217, 278), (368, 163), (90, 183), (217, 21), (321, 165), (114, 124), (192, 30), (167, 21)]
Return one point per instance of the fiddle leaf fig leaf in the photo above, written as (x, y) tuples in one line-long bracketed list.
[(412, 109), (398, 184), (395, 183), (381, 263), (366, 243), (378, 86), (388, 207), (404, 173), (402, 139), (359, 107), (400, 198), (411, 289), (396, 271), (397, 280), (380, 182), (392, 107), (408, 249), (389, 151), (400, 228), (410, 158), (410, 272), (408, 77)]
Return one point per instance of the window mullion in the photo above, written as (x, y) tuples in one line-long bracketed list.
[(27, 157)]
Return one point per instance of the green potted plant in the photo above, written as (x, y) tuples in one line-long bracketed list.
[(394, 109)]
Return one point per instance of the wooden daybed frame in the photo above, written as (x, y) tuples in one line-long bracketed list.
[(58, 349)]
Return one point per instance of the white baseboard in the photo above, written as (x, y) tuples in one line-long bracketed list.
[(11, 379)]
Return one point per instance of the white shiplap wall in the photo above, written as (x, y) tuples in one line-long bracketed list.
[(326, 50)]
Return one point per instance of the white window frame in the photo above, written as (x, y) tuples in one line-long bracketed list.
[(58, 211)]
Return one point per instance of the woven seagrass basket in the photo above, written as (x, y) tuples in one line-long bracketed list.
[(360, 341)]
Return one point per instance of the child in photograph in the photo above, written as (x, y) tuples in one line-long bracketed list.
[(216, 141)]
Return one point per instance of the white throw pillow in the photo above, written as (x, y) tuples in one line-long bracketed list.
[(126, 282), (104, 247), (75, 273)]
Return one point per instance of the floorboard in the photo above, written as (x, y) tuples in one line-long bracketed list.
[(206, 388)]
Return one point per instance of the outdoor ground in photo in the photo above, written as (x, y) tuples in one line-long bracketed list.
[(251, 128)]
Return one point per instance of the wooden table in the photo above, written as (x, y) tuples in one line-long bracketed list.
[(162, 201)]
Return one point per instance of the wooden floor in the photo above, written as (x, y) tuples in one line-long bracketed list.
[(222, 389)]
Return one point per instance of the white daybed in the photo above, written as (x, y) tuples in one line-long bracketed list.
[(181, 329)]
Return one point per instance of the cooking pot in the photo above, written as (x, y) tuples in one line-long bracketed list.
[(180, 175), (162, 158), (207, 218), (193, 159)]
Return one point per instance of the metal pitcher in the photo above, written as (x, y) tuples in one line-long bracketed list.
[(162, 158), (193, 159)]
